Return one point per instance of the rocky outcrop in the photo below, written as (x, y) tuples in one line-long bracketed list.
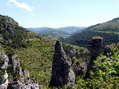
[(17, 69), (78, 56), (62, 73), (97, 47), (3, 74), (21, 77), (4, 61)]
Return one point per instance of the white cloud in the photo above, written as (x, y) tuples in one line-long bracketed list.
[(22, 5)]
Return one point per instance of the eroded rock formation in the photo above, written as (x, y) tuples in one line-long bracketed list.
[(3, 74), (21, 78), (62, 73), (97, 47)]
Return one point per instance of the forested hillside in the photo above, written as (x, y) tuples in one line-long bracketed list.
[(108, 30)]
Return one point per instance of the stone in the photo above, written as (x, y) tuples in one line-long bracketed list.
[(3, 74), (97, 47), (4, 59), (62, 73), (14, 61), (23, 81)]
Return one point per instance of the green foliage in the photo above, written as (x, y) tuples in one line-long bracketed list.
[(37, 58), (105, 73)]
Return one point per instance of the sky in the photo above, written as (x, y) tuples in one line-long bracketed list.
[(59, 13)]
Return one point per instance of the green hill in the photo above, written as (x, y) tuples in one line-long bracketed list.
[(108, 30)]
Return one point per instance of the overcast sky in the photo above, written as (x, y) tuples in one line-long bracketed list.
[(60, 13)]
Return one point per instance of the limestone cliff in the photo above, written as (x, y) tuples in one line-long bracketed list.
[(62, 73), (21, 78)]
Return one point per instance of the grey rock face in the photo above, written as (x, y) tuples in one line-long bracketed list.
[(17, 70), (62, 73), (24, 81), (4, 61), (3, 74), (79, 68)]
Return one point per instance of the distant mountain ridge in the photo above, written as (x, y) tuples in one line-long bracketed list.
[(57, 33), (108, 30)]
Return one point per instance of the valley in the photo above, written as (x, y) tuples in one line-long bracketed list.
[(57, 33), (29, 60)]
